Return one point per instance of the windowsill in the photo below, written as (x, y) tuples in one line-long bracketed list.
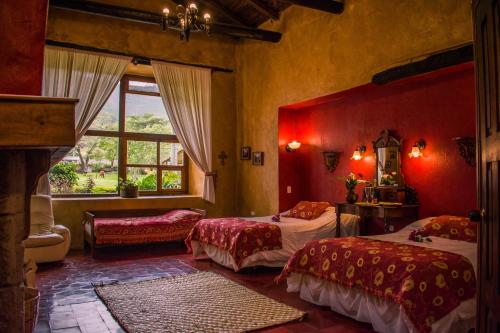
[(115, 198)]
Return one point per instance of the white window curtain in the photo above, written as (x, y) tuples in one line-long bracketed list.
[(187, 96), (90, 77)]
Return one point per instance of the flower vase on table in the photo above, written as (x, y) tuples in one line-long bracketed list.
[(351, 196), (350, 183)]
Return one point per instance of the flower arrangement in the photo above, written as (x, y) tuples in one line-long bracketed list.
[(128, 188), (126, 184), (276, 218), (351, 181), (420, 236), (388, 178)]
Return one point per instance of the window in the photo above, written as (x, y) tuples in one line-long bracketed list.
[(131, 137)]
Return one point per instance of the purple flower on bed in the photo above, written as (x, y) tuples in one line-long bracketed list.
[(419, 235), (276, 218)]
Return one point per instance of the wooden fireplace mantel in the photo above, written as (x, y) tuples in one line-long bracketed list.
[(35, 132), (34, 122)]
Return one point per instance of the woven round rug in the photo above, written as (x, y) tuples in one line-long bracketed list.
[(197, 302)]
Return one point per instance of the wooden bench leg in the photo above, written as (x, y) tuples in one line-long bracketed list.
[(86, 247)]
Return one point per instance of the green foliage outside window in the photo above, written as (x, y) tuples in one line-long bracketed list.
[(92, 166), (63, 177)]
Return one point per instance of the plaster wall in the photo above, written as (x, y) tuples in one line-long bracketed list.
[(410, 108), (321, 54), (150, 41), (22, 31), (139, 39)]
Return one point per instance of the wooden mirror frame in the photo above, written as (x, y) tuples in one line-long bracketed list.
[(386, 140)]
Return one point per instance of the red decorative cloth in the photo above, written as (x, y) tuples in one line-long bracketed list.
[(452, 227), (173, 225), (241, 238), (308, 210), (428, 283)]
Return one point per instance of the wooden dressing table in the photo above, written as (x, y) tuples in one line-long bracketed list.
[(367, 212), (394, 202)]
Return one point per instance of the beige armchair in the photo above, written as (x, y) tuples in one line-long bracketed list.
[(47, 242)]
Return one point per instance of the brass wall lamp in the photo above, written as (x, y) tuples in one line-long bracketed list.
[(416, 150)]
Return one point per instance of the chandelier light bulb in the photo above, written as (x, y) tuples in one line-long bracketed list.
[(188, 20)]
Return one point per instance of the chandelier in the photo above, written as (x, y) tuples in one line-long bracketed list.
[(186, 20)]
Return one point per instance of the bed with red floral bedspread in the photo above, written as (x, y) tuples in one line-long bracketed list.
[(425, 280), (240, 237)]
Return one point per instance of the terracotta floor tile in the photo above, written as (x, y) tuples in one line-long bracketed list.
[(62, 323), (68, 299), (68, 330)]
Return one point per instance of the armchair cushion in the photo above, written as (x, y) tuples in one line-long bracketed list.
[(42, 219), (42, 240), (47, 242)]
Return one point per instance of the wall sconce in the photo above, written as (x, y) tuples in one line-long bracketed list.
[(292, 146), (332, 159), (358, 153), (416, 150), (467, 149)]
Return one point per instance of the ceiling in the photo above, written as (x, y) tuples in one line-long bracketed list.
[(236, 18), (251, 13)]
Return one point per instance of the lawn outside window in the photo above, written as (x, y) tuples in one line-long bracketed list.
[(131, 137)]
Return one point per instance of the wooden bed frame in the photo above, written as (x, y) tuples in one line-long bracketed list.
[(89, 241)]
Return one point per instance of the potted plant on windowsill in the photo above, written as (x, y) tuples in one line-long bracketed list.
[(128, 188)]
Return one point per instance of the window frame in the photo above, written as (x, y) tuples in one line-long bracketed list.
[(123, 138)]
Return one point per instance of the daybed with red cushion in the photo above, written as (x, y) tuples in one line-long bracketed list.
[(127, 227)]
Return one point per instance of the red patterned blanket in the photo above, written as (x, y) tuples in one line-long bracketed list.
[(428, 283), (172, 225), (241, 238)]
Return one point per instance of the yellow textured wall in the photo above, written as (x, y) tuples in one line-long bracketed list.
[(139, 39), (320, 54), (150, 41)]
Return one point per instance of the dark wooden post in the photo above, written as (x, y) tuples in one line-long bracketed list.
[(34, 132), (19, 172), (12, 221)]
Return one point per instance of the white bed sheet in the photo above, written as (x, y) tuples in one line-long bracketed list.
[(386, 315), (294, 234)]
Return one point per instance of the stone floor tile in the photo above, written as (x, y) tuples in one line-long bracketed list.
[(67, 288)]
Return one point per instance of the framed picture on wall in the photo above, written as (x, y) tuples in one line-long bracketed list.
[(258, 158), (245, 153)]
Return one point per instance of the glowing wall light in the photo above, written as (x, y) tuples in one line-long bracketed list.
[(358, 153), (293, 146), (416, 150)]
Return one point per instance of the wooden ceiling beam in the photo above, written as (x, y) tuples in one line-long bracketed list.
[(135, 15), (216, 7), (329, 6), (265, 9), (431, 63)]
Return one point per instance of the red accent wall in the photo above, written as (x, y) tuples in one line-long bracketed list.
[(22, 40), (435, 107)]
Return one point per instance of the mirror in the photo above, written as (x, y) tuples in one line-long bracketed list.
[(388, 166)]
